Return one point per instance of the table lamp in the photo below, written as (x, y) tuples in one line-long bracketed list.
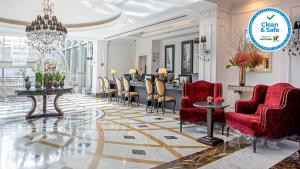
[(163, 71), (163, 74), (114, 73), (133, 71)]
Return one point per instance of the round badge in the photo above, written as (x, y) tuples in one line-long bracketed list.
[(270, 29)]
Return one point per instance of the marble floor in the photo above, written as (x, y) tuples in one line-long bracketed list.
[(96, 134)]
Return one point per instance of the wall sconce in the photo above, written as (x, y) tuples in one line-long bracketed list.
[(203, 51), (89, 58), (293, 47)]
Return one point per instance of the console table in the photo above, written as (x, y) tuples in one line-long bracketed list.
[(32, 93), (240, 89)]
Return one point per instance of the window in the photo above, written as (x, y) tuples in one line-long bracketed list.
[(14, 54)]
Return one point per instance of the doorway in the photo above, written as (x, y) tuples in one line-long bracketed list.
[(142, 67)]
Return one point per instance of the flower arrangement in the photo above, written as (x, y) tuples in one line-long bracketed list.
[(50, 75), (246, 56), (48, 79)]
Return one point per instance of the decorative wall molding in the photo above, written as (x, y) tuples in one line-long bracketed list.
[(208, 13)]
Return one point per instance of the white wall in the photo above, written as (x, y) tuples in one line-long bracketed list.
[(120, 56), (177, 42)]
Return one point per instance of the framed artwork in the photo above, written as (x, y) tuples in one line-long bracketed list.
[(187, 57), (266, 65), (170, 58)]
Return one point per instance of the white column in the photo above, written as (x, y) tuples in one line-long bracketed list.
[(100, 62), (208, 28)]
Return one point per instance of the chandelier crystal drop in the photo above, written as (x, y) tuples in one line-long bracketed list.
[(46, 33)]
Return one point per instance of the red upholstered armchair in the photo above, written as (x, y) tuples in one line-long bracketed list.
[(199, 91), (272, 113)]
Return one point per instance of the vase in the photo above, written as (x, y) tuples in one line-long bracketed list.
[(49, 85), (56, 84), (61, 84), (242, 76), (27, 85), (38, 85)]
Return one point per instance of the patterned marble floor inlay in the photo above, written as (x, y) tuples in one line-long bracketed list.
[(139, 152), (129, 137), (170, 137), (94, 134)]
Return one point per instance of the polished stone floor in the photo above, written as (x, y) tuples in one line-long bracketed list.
[(96, 134)]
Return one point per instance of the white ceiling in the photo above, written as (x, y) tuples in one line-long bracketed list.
[(126, 14)]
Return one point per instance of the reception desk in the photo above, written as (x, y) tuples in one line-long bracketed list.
[(171, 90)]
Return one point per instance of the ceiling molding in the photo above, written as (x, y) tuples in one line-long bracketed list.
[(147, 26), (70, 26)]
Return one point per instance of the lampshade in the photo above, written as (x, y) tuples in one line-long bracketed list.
[(113, 71), (132, 71), (162, 71)]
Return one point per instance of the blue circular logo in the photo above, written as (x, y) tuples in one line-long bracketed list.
[(270, 29)]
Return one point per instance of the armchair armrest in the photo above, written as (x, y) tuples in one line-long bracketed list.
[(246, 107), (185, 102), (250, 107)]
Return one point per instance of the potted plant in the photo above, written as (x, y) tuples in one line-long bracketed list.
[(26, 78), (247, 56), (48, 80), (62, 81), (27, 82), (57, 78), (38, 79)]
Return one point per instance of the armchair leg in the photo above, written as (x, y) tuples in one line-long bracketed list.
[(152, 105), (163, 108), (180, 126), (227, 131), (147, 106), (174, 106), (254, 144), (138, 100), (223, 126)]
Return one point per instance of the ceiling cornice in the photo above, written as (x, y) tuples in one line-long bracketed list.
[(70, 26)]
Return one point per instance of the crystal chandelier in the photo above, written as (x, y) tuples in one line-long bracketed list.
[(293, 47), (46, 33)]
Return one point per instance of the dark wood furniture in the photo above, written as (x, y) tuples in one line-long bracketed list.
[(210, 139), (32, 93)]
